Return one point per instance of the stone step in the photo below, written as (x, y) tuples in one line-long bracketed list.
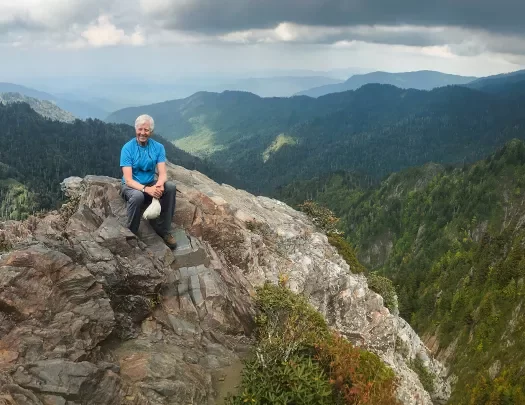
[(183, 242), (189, 283), (189, 252)]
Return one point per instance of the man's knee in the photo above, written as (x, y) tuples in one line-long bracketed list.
[(170, 187), (136, 197)]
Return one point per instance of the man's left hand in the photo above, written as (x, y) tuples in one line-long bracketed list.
[(160, 187)]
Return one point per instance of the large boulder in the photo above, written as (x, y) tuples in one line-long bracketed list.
[(93, 314)]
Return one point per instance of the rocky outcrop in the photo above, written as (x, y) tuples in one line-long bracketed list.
[(92, 314)]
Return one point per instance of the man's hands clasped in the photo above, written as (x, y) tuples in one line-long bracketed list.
[(155, 191)]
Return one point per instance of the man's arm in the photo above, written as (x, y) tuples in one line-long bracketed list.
[(161, 169), (127, 171), (128, 178), (163, 177)]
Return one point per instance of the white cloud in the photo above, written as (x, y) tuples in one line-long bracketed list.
[(104, 33), (287, 32)]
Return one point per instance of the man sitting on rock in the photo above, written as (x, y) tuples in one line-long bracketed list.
[(139, 158)]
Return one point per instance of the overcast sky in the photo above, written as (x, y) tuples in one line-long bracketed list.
[(168, 38)]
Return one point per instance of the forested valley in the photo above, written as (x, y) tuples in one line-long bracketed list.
[(452, 239)]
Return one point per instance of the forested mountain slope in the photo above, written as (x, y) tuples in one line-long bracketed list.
[(497, 83), (452, 240)]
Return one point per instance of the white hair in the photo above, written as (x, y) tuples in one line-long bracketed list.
[(141, 119)]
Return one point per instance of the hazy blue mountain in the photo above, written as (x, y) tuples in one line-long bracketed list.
[(80, 109), (498, 83), (105, 104), (112, 94), (26, 91), (284, 86), (420, 80)]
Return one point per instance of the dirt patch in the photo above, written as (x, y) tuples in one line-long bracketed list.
[(227, 380)]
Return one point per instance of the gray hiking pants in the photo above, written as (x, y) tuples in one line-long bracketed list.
[(136, 199)]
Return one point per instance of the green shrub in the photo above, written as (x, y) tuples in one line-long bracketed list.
[(425, 376), (359, 377), (384, 287), (297, 360), (347, 252), (299, 380), (321, 216), (287, 324)]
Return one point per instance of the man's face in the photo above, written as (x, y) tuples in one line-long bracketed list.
[(143, 132)]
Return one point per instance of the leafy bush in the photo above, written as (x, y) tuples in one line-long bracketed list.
[(347, 252), (359, 377), (299, 380), (384, 287), (321, 216), (425, 376), (297, 360), (287, 324)]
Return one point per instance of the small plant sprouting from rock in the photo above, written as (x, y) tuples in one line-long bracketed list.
[(401, 347), (425, 376), (69, 208), (253, 226), (347, 252), (283, 279), (260, 228), (384, 287), (322, 217), (327, 222), (5, 245)]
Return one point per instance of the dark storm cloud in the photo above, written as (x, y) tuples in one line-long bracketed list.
[(221, 16)]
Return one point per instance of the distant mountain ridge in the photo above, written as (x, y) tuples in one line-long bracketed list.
[(419, 80), (376, 129), (279, 86), (45, 108), (79, 109)]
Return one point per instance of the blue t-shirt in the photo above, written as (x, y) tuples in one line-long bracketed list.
[(142, 159)]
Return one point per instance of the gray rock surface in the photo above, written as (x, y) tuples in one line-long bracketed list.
[(92, 314)]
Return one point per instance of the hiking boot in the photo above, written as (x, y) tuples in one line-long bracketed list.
[(170, 241)]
